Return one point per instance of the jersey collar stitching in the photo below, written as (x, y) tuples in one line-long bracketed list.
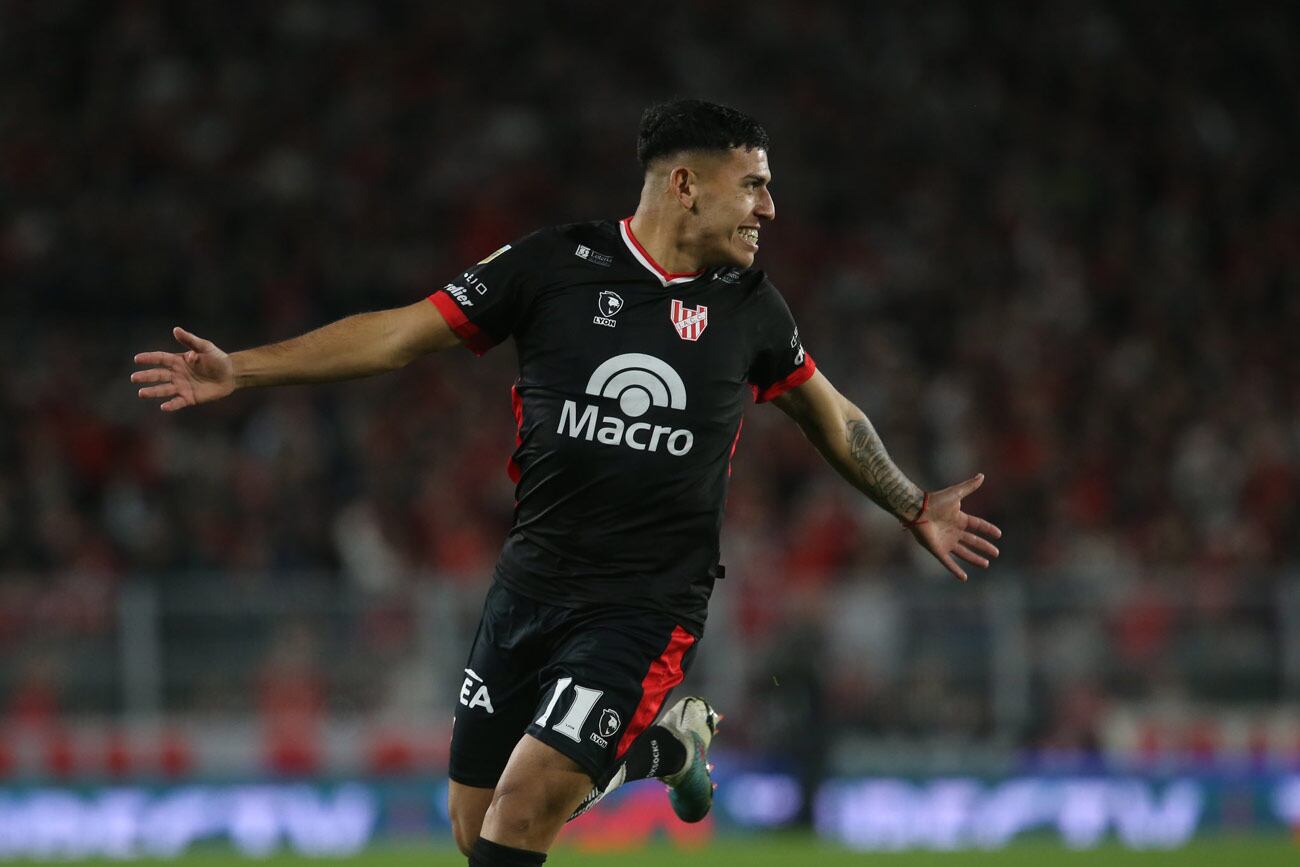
[(638, 252)]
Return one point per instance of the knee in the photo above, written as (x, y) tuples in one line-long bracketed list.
[(465, 836), (513, 813), (466, 822), (523, 811)]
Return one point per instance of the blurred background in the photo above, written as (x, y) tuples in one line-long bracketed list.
[(1057, 245)]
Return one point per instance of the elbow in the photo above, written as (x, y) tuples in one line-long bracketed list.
[(398, 359)]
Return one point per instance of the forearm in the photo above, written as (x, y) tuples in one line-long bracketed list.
[(851, 445), (358, 346)]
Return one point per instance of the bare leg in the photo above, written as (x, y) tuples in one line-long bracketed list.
[(537, 793), (467, 805)]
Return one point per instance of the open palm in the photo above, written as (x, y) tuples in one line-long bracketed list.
[(201, 374), (947, 532)]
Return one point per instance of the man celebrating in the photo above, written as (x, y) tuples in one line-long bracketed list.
[(640, 343)]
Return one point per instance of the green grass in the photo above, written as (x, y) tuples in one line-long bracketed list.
[(797, 851)]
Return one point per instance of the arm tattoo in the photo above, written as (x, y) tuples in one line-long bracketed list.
[(883, 482)]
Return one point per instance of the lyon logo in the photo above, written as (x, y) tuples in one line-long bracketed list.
[(609, 722), (609, 304), (690, 324)]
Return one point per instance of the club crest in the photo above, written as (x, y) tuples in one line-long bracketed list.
[(689, 322)]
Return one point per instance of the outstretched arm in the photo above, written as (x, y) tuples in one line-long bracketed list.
[(846, 438), (357, 346)]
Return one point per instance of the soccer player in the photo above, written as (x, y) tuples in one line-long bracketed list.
[(640, 343)]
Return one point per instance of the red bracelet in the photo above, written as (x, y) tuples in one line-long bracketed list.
[(918, 520)]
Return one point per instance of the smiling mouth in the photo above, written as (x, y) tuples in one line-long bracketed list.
[(748, 234)]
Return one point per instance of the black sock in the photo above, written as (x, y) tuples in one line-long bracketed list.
[(655, 754), (489, 854)]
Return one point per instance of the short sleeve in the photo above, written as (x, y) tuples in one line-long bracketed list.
[(780, 362), (485, 303)]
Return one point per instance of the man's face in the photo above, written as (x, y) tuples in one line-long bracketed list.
[(732, 204)]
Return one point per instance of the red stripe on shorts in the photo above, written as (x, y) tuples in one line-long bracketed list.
[(664, 674)]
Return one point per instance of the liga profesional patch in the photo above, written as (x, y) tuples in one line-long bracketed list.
[(494, 255)]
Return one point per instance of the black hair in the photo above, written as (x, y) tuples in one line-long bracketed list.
[(694, 124)]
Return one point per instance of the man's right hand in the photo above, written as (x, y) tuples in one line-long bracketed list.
[(201, 374)]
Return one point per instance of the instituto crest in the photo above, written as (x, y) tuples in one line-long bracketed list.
[(690, 323)]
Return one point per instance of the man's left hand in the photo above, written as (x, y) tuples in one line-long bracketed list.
[(948, 532)]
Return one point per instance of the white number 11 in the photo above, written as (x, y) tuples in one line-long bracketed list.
[(583, 701)]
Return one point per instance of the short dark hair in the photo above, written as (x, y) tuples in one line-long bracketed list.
[(694, 124)]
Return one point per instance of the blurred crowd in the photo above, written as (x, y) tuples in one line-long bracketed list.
[(1058, 245)]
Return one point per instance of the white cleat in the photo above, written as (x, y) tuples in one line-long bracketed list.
[(694, 723)]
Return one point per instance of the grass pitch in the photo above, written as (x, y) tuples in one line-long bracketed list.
[(789, 851)]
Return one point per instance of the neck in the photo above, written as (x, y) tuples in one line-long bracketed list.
[(662, 238)]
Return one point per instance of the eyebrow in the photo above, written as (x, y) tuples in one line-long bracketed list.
[(759, 178)]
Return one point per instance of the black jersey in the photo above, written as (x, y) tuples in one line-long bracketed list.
[(631, 391)]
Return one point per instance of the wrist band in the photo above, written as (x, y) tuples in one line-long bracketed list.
[(919, 519)]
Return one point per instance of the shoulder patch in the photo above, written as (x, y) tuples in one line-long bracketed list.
[(596, 258)]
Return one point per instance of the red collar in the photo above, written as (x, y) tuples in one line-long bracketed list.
[(639, 252)]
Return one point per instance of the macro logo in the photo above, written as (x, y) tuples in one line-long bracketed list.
[(637, 381)]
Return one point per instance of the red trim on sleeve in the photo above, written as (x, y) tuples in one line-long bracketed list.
[(517, 404), (801, 374), (470, 334), (664, 674)]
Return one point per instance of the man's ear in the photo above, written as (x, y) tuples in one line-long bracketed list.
[(684, 186)]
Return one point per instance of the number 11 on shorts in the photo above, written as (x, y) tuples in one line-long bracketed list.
[(584, 700)]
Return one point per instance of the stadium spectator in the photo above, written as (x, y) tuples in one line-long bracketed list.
[(1108, 195)]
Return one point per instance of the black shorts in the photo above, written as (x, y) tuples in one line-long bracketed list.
[(584, 681)]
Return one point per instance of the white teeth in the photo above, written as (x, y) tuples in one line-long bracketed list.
[(750, 235)]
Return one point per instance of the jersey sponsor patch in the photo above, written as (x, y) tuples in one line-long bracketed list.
[(637, 381), (593, 256), (607, 307), (690, 323), (460, 293)]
